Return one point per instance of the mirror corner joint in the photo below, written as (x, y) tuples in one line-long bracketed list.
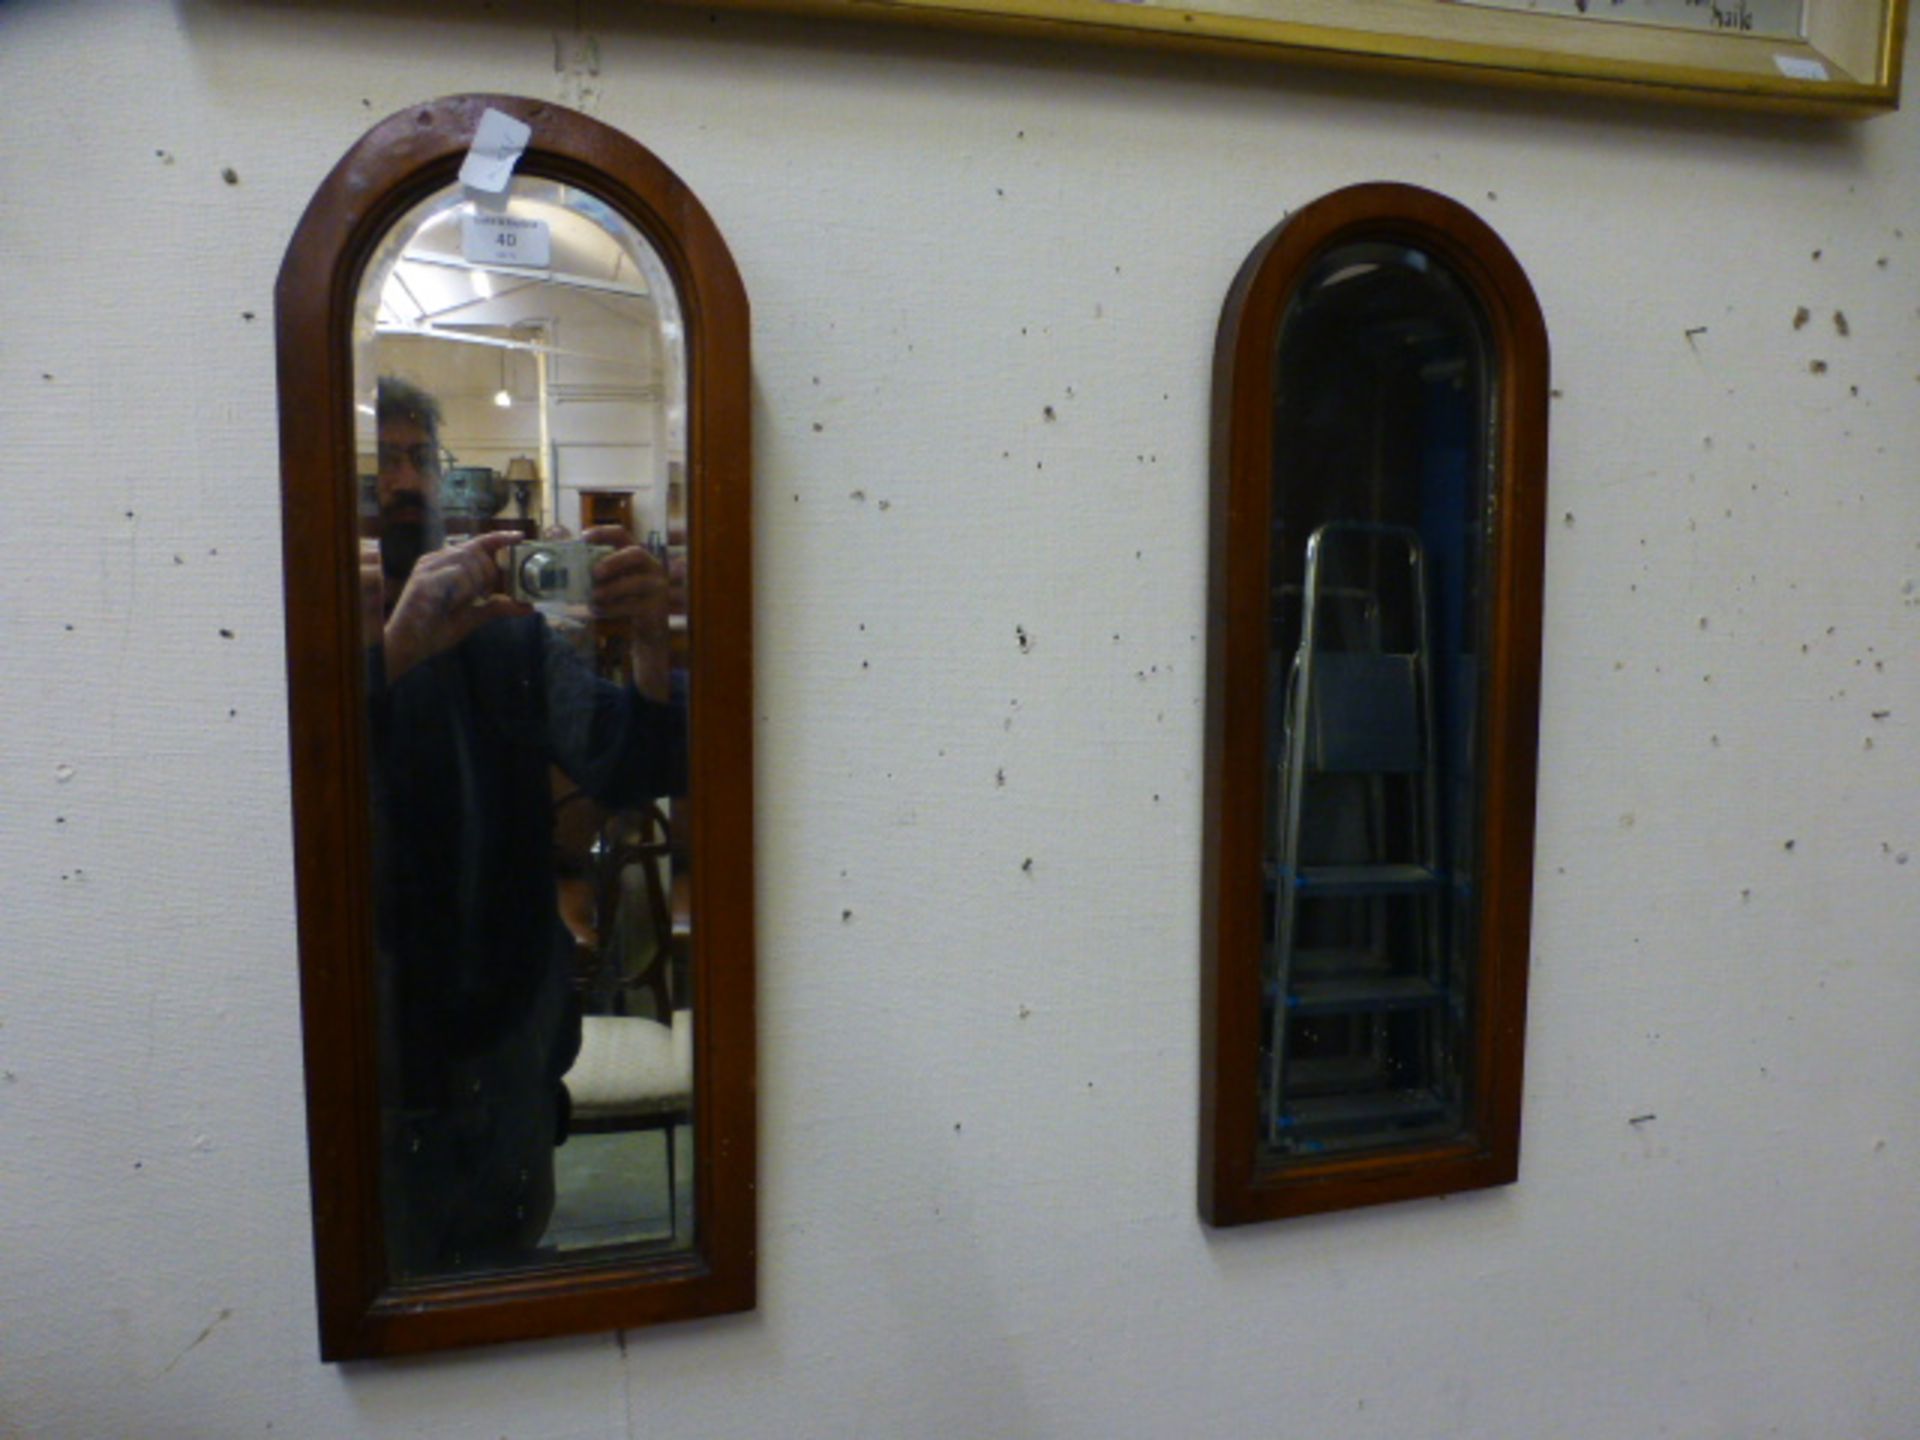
[(1374, 600), (516, 501)]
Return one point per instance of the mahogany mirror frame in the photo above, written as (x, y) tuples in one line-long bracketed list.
[(361, 1313), (1234, 1188)]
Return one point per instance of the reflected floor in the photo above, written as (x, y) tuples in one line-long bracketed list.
[(612, 1190)]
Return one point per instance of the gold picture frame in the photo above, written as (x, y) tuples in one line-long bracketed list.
[(1847, 65)]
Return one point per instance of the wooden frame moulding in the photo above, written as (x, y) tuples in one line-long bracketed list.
[(1846, 64), (1234, 1187), (398, 163)]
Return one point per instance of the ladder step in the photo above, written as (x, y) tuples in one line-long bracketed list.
[(1362, 992), (1322, 963), (1333, 1076), (1329, 1113), (1312, 881)]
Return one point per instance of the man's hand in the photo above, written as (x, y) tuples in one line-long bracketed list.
[(633, 589), (451, 593)]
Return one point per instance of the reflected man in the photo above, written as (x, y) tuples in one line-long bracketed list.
[(472, 698)]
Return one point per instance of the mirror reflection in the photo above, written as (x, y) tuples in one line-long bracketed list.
[(1382, 504), (520, 421)]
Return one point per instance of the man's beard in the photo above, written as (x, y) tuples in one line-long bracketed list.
[(403, 542)]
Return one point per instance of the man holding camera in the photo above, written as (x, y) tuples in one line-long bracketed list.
[(472, 699)]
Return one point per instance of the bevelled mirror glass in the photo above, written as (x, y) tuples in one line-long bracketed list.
[(515, 451), (1380, 411)]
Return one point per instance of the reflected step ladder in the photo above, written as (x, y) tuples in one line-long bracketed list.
[(1356, 710)]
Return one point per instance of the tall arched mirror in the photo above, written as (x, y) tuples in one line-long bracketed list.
[(513, 392), (1380, 410)]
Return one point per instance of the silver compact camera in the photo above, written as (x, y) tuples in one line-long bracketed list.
[(560, 570)]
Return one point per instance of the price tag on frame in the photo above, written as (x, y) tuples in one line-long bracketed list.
[(505, 240)]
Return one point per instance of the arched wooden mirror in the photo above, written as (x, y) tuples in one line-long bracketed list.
[(515, 454), (1379, 453)]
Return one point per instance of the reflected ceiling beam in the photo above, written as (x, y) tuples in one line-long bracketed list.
[(420, 311), (428, 317), (523, 272), (426, 330)]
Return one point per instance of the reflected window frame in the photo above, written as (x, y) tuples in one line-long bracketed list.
[(1239, 1183), (362, 1313)]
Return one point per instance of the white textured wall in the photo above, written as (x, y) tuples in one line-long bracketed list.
[(979, 1081)]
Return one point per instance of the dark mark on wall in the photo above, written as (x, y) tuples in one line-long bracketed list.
[(1840, 324), (214, 1324), (1800, 317), (1642, 1119), (1788, 845), (226, 634), (1046, 413), (1025, 640), (1693, 331), (1818, 367), (1026, 866), (230, 175)]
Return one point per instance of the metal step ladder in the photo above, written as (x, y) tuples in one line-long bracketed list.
[(1357, 776)]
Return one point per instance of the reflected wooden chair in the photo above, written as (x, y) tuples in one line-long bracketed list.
[(634, 1074), (612, 871)]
